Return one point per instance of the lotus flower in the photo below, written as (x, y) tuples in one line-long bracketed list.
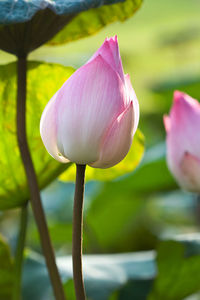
[(183, 141), (93, 117)]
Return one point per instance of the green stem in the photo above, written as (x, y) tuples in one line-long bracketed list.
[(78, 233), (32, 181), (18, 263)]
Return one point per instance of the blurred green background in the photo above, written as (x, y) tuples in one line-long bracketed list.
[(160, 49)]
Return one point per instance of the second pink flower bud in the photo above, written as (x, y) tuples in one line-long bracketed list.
[(183, 141)]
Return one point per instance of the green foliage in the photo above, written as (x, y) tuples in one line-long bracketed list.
[(125, 166), (43, 81), (178, 270), (114, 296), (163, 89), (6, 271), (127, 276), (91, 21), (139, 290), (104, 274), (126, 204), (129, 228), (116, 221), (152, 175), (69, 289)]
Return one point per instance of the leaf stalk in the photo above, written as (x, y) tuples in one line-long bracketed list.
[(32, 180), (19, 255)]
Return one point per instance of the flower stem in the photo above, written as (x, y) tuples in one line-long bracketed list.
[(78, 232), (18, 263), (32, 181)]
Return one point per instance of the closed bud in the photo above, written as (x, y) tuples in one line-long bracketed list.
[(93, 117), (183, 141)]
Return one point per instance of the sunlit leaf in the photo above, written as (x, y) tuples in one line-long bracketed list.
[(91, 21), (125, 166), (43, 81), (6, 271)]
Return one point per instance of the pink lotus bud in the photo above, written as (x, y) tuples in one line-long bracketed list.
[(183, 141), (93, 117)]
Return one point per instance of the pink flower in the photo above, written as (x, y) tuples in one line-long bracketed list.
[(93, 117), (183, 141)]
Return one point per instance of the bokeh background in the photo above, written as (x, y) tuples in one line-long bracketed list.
[(143, 210)]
